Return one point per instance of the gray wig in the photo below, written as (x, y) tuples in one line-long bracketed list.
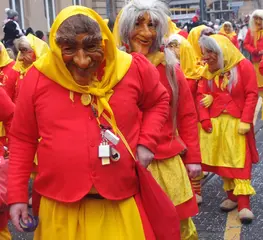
[(211, 44), (158, 12)]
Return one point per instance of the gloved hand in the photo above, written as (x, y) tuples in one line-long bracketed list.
[(207, 100), (207, 125), (244, 128)]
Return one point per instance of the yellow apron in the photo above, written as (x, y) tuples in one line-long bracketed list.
[(226, 138), (172, 176)]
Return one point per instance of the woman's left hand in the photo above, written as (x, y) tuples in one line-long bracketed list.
[(244, 128), (194, 170), (144, 155)]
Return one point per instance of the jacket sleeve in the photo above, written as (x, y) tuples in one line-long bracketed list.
[(6, 105), (187, 121), (10, 83), (248, 43), (23, 141), (249, 80), (202, 111), (154, 103)]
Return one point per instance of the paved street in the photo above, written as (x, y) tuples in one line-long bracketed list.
[(211, 223)]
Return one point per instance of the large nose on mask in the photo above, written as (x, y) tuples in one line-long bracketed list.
[(146, 32), (81, 59)]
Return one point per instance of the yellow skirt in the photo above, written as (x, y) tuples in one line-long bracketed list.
[(5, 234), (224, 147), (172, 176), (95, 219), (259, 76)]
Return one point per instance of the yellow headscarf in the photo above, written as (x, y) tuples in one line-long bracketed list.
[(39, 47), (187, 58), (4, 57), (193, 39), (117, 62), (229, 35), (231, 55), (172, 28)]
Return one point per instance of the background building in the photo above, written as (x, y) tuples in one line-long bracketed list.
[(39, 14), (184, 10)]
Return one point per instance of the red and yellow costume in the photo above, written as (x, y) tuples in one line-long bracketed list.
[(7, 109), (50, 107), (174, 151), (253, 43), (6, 74), (232, 36), (225, 151)]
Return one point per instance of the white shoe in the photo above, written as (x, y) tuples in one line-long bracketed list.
[(246, 216), (228, 205)]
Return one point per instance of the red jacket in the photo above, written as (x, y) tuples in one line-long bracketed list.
[(68, 151), (239, 103), (249, 45), (6, 105), (11, 83), (183, 34), (186, 124)]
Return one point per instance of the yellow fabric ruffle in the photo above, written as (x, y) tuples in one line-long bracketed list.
[(5, 234), (2, 130), (89, 219), (228, 184), (188, 230), (259, 76), (239, 186), (172, 176), (226, 138)]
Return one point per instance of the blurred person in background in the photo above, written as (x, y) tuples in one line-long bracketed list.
[(253, 43), (242, 35), (11, 29), (228, 31)]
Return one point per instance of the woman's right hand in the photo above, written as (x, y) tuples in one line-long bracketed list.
[(17, 211), (207, 125)]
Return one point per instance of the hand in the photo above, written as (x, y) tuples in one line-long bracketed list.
[(260, 52), (244, 128), (194, 170), (207, 100), (144, 155), (18, 210), (207, 125)]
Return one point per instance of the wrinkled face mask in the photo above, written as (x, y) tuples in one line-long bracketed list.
[(82, 56), (227, 28), (258, 23), (211, 58), (174, 46), (143, 35), (27, 55)]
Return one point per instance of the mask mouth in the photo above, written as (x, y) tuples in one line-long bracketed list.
[(144, 42)]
